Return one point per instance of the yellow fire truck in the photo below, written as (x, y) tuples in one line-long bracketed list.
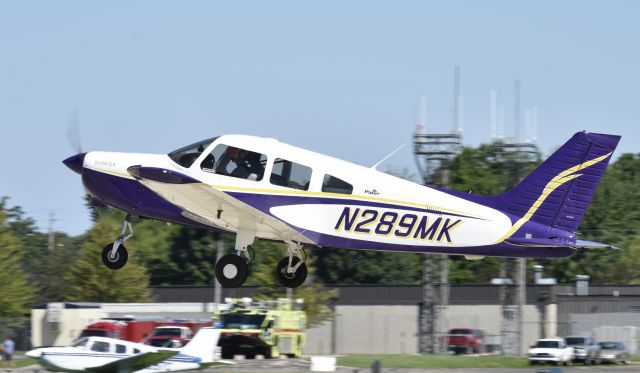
[(268, 328)]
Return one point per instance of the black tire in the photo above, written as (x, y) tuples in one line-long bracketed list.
[(227, 353), (287, 280), (231, 271), (116, 262)]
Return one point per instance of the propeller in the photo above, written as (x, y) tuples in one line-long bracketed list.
[(73, 132)]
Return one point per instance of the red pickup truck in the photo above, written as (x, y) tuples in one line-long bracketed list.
[(465, 341)]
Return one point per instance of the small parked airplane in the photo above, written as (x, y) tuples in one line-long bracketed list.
[(109, 355), (262, 188)]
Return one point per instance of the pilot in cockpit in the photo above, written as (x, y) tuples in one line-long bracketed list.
[(239, 157)]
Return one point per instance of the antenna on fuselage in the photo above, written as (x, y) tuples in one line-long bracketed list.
[(388, 156)]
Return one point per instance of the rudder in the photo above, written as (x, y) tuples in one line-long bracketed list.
[(558, 192)]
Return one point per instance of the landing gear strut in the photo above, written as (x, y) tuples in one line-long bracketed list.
[(291, 271), (115, 255)]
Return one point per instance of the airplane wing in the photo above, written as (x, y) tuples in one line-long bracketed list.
[(217, 363), (208, 205), (134, 363)]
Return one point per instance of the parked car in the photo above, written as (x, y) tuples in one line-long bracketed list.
[(465, 341), (614, 352), (551, 350), (584, 349)]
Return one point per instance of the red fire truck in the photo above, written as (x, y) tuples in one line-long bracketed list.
[(145, 331)]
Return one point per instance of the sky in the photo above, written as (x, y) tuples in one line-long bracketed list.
[(344, 78)]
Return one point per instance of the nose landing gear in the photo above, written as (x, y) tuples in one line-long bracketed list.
[(291, 271), (115, 255)]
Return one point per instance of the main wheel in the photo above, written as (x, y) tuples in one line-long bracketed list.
[(116, 261), (231, 271), (291, 280)]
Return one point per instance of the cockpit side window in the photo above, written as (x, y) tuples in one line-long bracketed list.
[(289, 174), (332, 184), (187, 155), (235, 162), (100, 346)]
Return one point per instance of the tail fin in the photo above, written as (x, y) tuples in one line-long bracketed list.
[(558, 192), (203, 344)]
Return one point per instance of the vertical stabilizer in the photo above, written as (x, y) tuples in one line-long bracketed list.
[(558, 192), (203, 344)]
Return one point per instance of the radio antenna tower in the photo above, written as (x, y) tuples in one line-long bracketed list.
[(515, 156), (433, 154)]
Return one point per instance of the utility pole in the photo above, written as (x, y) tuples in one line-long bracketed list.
[(51, 241), (217, 295)]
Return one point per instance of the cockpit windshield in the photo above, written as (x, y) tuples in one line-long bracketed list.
[(80, 343), (187, 155)]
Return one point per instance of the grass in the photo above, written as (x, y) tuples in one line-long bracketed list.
[(433, 361), (20, 363), (438, 361)]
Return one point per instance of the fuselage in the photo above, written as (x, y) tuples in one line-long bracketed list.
[(289, 193)]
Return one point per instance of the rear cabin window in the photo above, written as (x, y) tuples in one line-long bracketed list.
[(235, 162), (121, 349), (332, 184), (290, 174)]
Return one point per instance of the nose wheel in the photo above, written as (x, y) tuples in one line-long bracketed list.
[(291, 271), (115, 260), (115, 255), (291, 279)]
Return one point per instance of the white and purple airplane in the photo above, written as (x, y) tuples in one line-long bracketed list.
[(262, 188), (110, 355)]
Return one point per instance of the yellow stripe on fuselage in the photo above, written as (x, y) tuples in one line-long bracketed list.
[(226, 188), (552, 185)]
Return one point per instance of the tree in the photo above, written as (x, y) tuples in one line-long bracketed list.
[(90, 281), (15, 292)]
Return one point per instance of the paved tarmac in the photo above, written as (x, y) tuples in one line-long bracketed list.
[(301, 365)]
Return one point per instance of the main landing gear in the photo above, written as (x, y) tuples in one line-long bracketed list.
[(115, 255), (232, 270)]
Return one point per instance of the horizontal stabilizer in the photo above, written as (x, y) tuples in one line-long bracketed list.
[(535, 242), (581, 244)]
